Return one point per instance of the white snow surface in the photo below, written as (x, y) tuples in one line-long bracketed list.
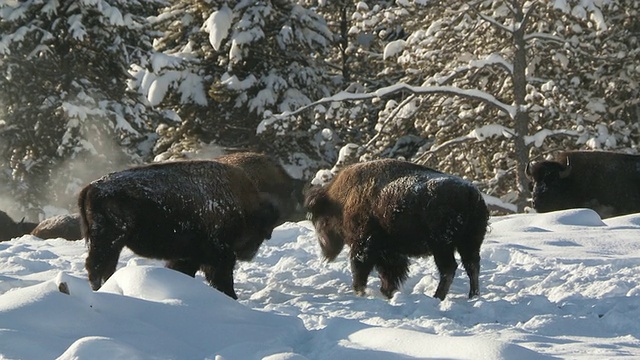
[(558, 285)]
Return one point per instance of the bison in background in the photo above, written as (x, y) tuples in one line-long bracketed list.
[(389, 210), (270, 177), (607, 182), (197, 215), (59, 226), (10, 229)]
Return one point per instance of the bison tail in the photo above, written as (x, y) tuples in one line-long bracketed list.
[(476, 224), (84, 216)]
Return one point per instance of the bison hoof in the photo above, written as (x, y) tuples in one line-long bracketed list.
[(439, 295), (388, 292), (360, 291)]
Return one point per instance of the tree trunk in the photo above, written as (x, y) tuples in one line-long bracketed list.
[(521, 118)]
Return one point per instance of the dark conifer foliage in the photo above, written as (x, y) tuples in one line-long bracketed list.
[(64, 93), (472, 88)]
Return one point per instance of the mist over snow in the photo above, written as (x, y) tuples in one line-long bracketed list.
[(557, 285)]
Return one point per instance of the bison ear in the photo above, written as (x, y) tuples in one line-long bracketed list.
[(566, 171)]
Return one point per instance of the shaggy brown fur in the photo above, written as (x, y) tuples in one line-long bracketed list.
[(388, 210), (270, 177), (198, 215), (607, 182), (60, 226)]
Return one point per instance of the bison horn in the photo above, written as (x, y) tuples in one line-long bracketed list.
[(567, 170), (527, 171)]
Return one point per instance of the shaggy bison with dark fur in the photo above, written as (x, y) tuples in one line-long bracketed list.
[(389, 210), (10, 229), (606, 182), (197, 215), (60, 226), (268, 175)]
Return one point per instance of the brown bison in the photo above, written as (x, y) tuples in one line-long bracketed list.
[(390, 210), (59, 226), (197, 215), (607, 182), (10, 229), (271, 178)]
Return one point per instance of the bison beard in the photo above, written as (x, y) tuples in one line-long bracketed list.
[(390, 210), (197, 215)]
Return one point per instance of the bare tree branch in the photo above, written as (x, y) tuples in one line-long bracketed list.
[(445, 145), (392, 116), (527, 15), (490, 20)]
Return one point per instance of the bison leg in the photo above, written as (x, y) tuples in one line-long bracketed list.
[(392, 270), (185, 266), (471, 264), (220, 274), (360, 270), (363, 259), (446, 263)]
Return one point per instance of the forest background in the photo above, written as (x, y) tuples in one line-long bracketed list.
[(472, 88)]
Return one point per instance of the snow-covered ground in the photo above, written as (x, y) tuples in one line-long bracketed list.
[(557, 285)]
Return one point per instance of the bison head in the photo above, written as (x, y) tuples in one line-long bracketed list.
[(326, 216), (260, 225), (551, 185)]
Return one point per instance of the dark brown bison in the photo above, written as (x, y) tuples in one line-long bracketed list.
[(10, 229), (59, 226), (390, 210), (607, 182), (197, 215), (271, 178)]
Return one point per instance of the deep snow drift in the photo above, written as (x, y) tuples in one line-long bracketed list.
[(563, 285)]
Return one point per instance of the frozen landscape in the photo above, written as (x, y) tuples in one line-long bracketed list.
[(557, 285)]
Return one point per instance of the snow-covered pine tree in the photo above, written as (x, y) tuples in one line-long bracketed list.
[(66, 115), (225, 63), (494, 79)]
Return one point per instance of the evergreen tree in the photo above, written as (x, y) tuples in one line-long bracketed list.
[(226, 63), (491, 84), (64, 94)]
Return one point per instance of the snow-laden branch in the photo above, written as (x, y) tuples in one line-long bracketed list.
[(480, 134), (497, 131), (572, 47), (416, 90), (544, 36), (493, 59), (490, 60), (538, 138)]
